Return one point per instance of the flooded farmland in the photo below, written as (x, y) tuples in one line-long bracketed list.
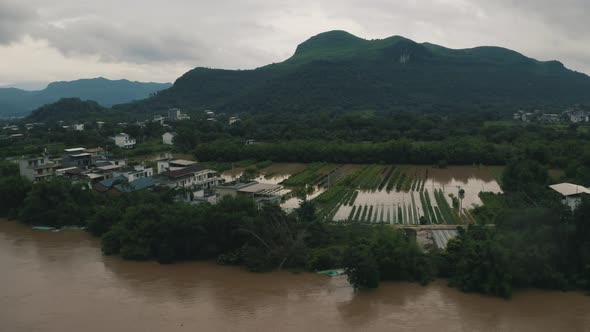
[(426, 197), (392, 194)]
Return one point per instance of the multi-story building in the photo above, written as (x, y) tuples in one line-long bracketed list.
[(39, 168), (134, 173), (174, 114), (170, 164), (194, 178), (124, 141)]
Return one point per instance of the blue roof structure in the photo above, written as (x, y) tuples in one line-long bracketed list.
[(129, 187)]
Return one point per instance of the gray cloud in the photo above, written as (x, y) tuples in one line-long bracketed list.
[(14, 21), (111, 42), (140, 35)]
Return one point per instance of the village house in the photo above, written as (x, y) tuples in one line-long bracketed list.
[(168, 138), (77, 157), (233, 119), (174, 114), (194, 177), (134, 173), (550, 118), (578, 116), (571, 194), (170, 164), (159, 119), (39, 168), (120, 185), (123, 140), (261, 193)]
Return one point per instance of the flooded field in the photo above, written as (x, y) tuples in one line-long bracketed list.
[(392, 194), (405, 194)]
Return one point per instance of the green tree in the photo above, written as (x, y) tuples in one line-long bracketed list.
[(361, 267)]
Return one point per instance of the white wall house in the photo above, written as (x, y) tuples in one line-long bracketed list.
[(167, 138), (174, 114), (165, 165), (193, 178), (138, 172), (39, 168), (571, 194), (233, 119), (123, 140)]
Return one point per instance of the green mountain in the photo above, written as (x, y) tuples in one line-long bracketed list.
[(16, 102), (336, 71), (72, 110)]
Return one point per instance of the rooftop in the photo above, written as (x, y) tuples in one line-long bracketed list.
[(109, 167), (569, 189), (182, 162), (184, 171), (260, 187), (94, 150), (128, 187), (93, 176), (80, 155), (72, 150)]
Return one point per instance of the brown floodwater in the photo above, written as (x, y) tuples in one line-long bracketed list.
[(60, 282)]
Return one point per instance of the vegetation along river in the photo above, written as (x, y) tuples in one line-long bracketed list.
[(61, 282)]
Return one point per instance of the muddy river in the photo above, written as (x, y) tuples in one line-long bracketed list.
[(60, 282)]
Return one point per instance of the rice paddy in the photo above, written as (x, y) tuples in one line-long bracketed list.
[(392, 194), (414, 195)]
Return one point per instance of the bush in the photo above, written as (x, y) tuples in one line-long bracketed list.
[(230, 258), (325, 258), (361, 267)]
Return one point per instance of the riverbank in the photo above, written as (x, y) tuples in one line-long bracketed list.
[(98, 293)]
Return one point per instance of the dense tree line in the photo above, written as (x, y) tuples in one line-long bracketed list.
[(374, 137)]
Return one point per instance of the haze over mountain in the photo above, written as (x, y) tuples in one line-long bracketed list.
[(338, 71), (17, 102)]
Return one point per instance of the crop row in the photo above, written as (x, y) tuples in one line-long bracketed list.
[(449, 215), (309, 176)]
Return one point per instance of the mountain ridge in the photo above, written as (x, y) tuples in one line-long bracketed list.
[(337, 71), (18, 102)]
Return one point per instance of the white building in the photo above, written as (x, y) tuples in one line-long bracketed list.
[(174, 114), (136, 173), (194, 178), (233, 119), (576, 117), (159, 119), (167, 138), (123, 140), (571, 193), (39, 168), (165, 165)]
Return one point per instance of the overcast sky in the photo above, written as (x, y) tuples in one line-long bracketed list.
[(149, 40)]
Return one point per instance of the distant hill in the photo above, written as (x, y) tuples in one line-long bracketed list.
[(72, 110), (16, 102), (336, 71)]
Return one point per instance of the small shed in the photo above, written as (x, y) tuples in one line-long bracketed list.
[(571, 194)]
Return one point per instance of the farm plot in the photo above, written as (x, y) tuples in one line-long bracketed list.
[(411, 195)]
